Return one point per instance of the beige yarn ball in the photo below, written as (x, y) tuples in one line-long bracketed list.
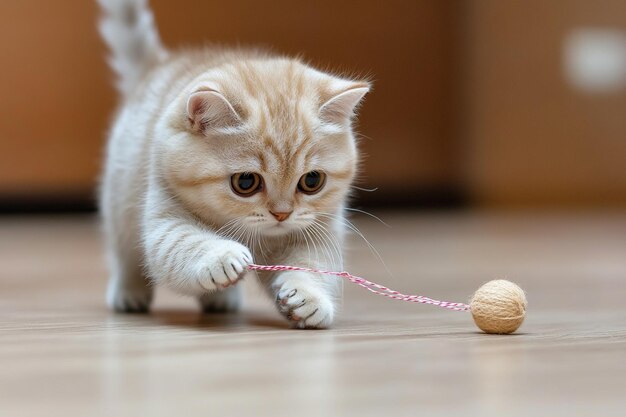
[(499, 307)]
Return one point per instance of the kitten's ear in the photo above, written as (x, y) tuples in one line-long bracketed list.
[(341, 107), (210, 110)]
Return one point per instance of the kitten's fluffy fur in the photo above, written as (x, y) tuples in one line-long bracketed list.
[(189, 121)]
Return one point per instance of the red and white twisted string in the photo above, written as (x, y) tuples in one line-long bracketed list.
[(368, 285)]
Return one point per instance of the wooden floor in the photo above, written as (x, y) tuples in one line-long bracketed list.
[(62, 353)]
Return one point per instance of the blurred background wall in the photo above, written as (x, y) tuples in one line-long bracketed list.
[(478, 102)]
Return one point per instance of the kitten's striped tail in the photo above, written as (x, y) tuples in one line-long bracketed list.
[(128, 28)]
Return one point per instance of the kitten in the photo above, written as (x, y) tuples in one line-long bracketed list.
[(217, 158)]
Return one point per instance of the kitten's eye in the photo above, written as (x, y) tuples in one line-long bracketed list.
[(312, 182), (246, 183)]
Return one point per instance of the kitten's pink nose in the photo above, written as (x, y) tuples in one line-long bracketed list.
[(281, 215)]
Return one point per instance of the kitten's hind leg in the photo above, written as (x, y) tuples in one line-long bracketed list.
[(225, 301), (128, 291)]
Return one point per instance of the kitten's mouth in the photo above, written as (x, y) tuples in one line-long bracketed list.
[(278, 229)]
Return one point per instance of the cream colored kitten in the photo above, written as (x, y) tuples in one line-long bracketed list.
[(220, 157)]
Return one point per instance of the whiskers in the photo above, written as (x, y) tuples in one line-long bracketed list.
[(236, 229), (246, 231), (323, 247), (352, 227), (367, 190), (328, 242), (367, 213)]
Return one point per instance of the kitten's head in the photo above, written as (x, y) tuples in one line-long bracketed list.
[(266, 145)]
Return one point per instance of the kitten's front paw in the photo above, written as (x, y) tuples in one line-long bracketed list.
[(305, 305), (223, 265)]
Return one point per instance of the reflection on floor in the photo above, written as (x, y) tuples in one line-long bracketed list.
[(62, 352)]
